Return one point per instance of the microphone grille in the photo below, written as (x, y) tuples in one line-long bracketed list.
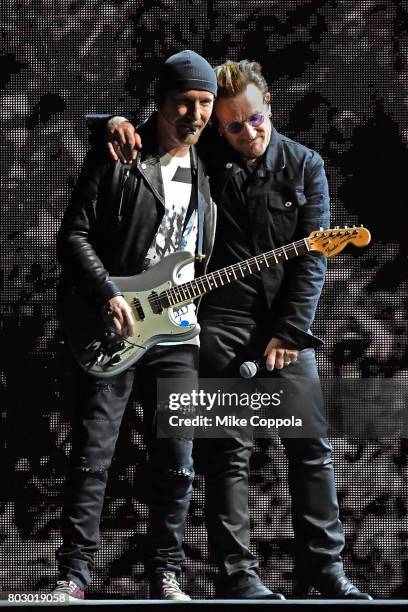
[(248, 369)]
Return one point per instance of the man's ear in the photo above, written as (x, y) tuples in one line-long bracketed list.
[(267, 98)]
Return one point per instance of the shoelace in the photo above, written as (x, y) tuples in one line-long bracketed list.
[(170, 585), (66, 586)]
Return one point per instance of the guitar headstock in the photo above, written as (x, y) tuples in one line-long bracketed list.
[(330, 242)]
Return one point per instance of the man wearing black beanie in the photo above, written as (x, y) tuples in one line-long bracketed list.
[(120, 221), (186, 70)]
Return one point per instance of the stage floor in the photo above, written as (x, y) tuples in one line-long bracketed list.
[(303, 605)]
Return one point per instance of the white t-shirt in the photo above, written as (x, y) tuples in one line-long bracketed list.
[(170, 237)]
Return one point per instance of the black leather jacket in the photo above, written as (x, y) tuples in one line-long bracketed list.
[(113, 216)]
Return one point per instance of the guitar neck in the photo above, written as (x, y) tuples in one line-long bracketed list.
[(186, 292)]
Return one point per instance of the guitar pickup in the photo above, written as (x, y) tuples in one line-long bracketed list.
[(139, 309), (155, 304)]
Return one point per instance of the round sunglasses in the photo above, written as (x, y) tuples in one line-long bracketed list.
[(254, 120)]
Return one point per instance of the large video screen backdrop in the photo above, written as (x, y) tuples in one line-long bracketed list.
[(338, 76)]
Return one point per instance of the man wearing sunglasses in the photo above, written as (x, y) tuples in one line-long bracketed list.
[(270, 191)]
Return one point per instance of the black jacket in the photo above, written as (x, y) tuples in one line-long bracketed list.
[(286, 198), (113, 216), (289, 173)]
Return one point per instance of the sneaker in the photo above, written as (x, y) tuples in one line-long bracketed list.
[(70, 589), (165, 586)]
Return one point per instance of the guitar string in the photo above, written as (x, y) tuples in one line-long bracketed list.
[(228, 270), (257, 259), (225, 273)]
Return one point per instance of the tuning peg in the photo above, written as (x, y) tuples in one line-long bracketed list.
[(346, 227), (322, 229), (337, 227)]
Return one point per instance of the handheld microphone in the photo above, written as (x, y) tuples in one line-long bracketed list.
[(249, 369)]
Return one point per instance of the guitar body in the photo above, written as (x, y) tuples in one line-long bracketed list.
[(102, 352)]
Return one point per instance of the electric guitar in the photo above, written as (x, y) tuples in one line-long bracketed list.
[(154, 294)]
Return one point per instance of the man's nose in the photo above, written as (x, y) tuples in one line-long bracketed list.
[(249, 131), (194, 111)]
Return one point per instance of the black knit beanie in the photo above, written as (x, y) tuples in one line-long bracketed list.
[(187, 70)]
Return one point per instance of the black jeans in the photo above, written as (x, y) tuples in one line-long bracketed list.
[(98, 417), (319, 537)]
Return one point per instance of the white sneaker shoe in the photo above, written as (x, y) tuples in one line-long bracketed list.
[(70, 589), (166, 586)]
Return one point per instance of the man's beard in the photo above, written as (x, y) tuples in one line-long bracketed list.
[(188, 138)]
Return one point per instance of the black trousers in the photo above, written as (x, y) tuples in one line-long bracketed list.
[(319, 537), (99, 412)]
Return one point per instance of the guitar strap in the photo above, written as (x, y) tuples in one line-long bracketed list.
[(201, 206), (197, 203)]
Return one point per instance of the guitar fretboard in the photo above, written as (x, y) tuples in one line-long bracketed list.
[(189, 291)]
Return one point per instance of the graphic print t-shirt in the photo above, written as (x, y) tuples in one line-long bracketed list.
[(170, 237)]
